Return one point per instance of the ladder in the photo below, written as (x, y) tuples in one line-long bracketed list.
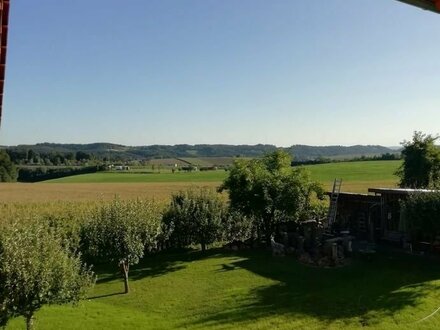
[(333, 210)]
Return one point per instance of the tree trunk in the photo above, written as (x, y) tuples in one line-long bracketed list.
[(124, 270), (267, 229), (30, 321), (203, 245)]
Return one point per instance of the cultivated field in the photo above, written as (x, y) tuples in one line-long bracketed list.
[(357, 177)]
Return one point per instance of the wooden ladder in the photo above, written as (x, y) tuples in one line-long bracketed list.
[(333, 210)]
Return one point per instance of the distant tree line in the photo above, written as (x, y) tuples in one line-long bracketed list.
[(21, 156), (323, 160), (35, 174)]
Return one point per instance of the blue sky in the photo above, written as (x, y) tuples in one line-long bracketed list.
[(225, 71)]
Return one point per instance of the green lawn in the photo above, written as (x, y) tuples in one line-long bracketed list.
[(127, 177), (356, 171), (357, 176), (253, 290)]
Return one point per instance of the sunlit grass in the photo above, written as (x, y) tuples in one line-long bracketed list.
[(253, 290)]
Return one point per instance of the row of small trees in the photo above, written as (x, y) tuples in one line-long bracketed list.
[(42, 260)]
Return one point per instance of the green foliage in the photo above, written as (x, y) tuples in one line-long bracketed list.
[(8, 173), (270, 189), (238, 227), (421, 212), (35, 174), (121, 231), (37, 269), (194, 217), (421, 162)]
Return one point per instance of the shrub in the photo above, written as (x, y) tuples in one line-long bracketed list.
[(194, 217), (238, 227), (421, 214)]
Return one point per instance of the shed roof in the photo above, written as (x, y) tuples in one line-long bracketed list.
[(399, 191)]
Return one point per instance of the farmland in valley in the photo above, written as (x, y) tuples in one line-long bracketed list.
[(357, 177)]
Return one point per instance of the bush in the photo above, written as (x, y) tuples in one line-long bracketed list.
[(238, 227), (194, 217), (421, 214)]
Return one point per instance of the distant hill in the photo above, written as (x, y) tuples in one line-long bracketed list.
[(121, 152)]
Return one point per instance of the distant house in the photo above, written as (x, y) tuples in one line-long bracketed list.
[(119, 167), (374, 216)]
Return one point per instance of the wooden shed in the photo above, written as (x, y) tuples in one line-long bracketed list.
[(374, 216)]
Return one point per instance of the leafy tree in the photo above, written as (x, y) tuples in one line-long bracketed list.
[(8, 172), (270, 189), (121, 232), (238, 227), (421, 162), (195, 217), (421, 215), (82, 156), (37, 269)]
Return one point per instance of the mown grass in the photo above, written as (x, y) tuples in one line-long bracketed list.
[(127, 177), (357, 176), (349, 171), (253, 290), (355, 171)]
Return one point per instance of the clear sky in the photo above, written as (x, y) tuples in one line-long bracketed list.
[(281, 72)]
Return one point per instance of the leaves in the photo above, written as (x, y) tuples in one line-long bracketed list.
[(36, 269), (194, 217), (421, 162), (122, 230), (270, 189)]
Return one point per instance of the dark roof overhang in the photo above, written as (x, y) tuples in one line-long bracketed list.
[(432, 5), (4, 22)]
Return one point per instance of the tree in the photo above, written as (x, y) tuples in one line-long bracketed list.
[(271, 190), (421, 216), (8, 172), (82, 156), (421, 162), (36, 269), (195, 217), (238, 227), (121, 232)]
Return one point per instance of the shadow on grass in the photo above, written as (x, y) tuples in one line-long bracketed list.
[(155, 265), (366, 290), (105, 296)]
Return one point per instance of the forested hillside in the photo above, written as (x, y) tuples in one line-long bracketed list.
[(117, 152)]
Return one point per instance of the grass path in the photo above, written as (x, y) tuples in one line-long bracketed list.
[(253, 290)]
